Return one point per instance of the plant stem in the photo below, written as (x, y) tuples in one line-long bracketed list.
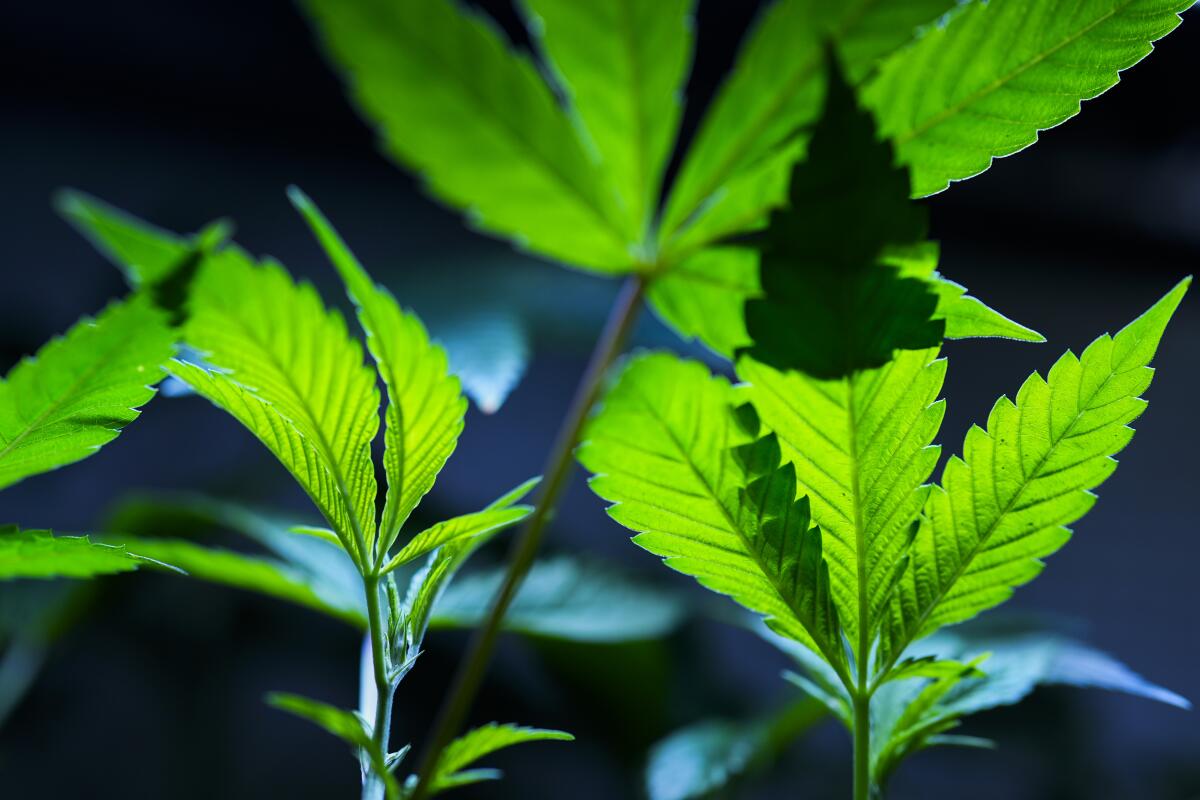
[(373, 786), (862, 746), (558, 469)]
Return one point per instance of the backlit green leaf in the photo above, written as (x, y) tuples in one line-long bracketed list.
[(80, 390), (491, 138), (996, 73), (451, 770), (1005, 504), (40, 554), (425, 406)]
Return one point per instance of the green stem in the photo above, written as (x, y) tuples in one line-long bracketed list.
[(373, 785), (558, 469), (862, 746)]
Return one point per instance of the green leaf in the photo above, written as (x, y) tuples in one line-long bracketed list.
[(703, 297), (291, 373), (662, 451), (568, 599), (491, 138), (982, 85), (40, 554), (266, 576), (736, 170), (821, 271), (861, 448), (1005, 504), (426, 585), (80, 390), (146, 254), (464, 751), (710, 756), (622, 64), (468, 526), (425, 406), (965, 316)]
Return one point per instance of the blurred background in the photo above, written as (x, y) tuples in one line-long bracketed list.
[(188, 111)]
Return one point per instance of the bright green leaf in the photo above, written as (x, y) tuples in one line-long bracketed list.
[(468, 526), (80, 390), (1005, 504), (622, 64), (985, 83), (704, 296), (862, 452), (425, 406), (491, 137), (662, 451), (291, 373)]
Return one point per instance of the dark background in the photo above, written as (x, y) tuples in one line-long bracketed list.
[(186, 111)]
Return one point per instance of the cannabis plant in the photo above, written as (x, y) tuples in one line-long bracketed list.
[(803, 492), (565, 152)]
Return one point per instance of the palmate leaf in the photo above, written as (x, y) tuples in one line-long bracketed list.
[(1005, 504), (425, 405), (622, 64), (80, 390), (996, 73), (491, 139), (662, 451), (737, 168), (861, 449), (40, 554), (451, 770), (291, 373)]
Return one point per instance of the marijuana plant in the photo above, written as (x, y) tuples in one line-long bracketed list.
[(565, 153), (803, 492)]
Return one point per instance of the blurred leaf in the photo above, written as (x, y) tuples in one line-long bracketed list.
[(464, 751), (708, 758), (81, 389), (983, 84), (253, 573), (289, 371), (425, 407), (40, 554), (568, 599), (622, 65), (829, 307), (736, 169), (704, 297), (488, 351), (148, 255), (491, 137)]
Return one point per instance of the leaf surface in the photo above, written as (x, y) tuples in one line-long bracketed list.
[(1005, 504), (984, 84), (40, 554), (622, 64), (661, 449), (862, 451), (292, 374), (491, 140), (425, 405), (78, 392)]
